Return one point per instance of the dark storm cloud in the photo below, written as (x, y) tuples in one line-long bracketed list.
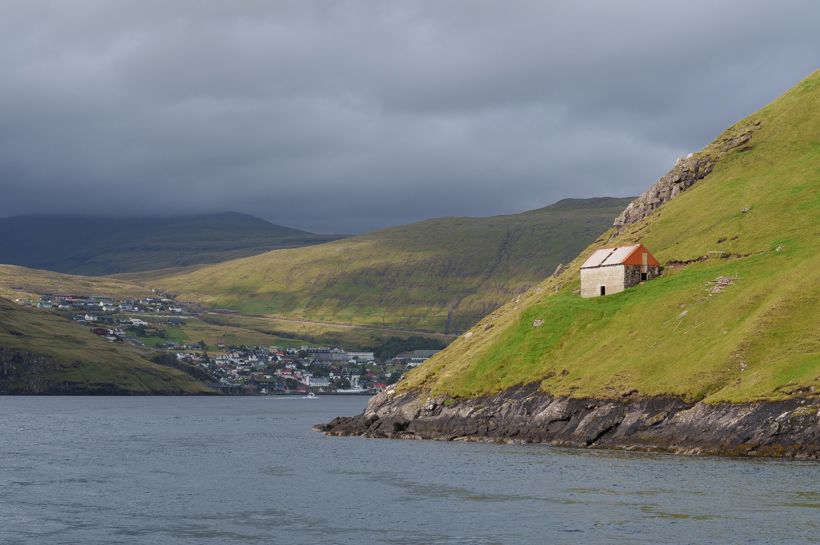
[(344, 116)]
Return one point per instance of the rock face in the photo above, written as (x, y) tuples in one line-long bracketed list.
[(18, 370), (683, 175), (26, 373), (686, 172), (526, 415)]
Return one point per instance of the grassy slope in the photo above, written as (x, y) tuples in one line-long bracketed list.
[(757, 339), (98, 245), (80, 359), (23, 283), (440, 275), (270, 330)]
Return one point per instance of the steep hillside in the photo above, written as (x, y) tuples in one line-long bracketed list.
[(41, 352), (101, 245), (437, 275), (734, 317)]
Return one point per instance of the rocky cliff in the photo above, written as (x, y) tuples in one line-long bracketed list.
[(662, 424), (23, 372)]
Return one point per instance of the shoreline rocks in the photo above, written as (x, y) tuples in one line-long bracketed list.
[(789, 428)]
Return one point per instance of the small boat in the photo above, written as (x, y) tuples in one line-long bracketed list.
[(310, 395)]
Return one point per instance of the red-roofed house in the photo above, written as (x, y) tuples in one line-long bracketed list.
[(611, 270)]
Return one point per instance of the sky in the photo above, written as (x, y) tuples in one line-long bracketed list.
[(346, 116)]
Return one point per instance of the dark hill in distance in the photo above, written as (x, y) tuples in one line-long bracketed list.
[(93, 245)]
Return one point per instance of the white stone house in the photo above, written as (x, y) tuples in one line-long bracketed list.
[(612, 270)]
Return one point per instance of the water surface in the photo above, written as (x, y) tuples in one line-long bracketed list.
[(240, 470)]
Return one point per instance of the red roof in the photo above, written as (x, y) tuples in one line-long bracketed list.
[(620, 255)]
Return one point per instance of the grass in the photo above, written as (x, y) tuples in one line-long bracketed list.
[(260, 330), (62, 356), (173, 334), (438, 275), (239, 330), (756, 339), (24, 283), (273, 330)]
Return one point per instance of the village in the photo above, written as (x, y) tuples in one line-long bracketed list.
[(305, 370), (237, 370)]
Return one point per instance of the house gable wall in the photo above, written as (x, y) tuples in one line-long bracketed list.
[(612, 277), (636, 257)]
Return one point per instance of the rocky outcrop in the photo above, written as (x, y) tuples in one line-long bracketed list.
[(27, 373), (18, 369), (23, 372), (686, 172), (778, 428)]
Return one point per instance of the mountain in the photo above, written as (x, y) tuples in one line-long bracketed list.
[(43, 353), (437, 275), (93, 245), (721, 353)]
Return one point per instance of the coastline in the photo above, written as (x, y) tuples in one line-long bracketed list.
[(779, 429)]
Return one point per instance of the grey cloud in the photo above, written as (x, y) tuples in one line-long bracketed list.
[(351, 115)]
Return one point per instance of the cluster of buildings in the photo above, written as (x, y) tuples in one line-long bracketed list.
[(161, 303), (104, 315), (275, 370)]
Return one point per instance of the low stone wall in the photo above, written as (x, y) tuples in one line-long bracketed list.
[(632, 274)]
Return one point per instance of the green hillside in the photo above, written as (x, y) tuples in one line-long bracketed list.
[(21, 283), (91, 245), (438, 275), (41, 352), (754, 222)]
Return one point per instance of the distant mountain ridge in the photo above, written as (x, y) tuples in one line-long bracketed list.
[(96, 245)]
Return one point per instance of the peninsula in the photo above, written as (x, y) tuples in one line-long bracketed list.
[(718, 355)]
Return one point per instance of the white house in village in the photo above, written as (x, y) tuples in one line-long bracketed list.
[(611, 270)]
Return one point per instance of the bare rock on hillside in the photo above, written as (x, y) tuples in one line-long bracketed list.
[(687, 172)]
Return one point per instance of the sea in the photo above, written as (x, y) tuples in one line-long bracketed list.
[(250, 470)]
